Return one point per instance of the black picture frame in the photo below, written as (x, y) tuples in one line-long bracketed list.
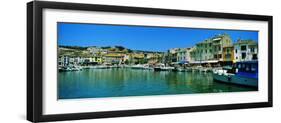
[(35, 69)]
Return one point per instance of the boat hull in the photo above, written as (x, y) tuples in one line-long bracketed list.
[(236, 79), (163, 69)]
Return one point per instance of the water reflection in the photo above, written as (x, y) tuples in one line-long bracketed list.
[(93, 83)]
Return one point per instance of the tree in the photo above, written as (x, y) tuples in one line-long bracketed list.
[(126, 62), (106, 47), (120, 48), (130, 51)]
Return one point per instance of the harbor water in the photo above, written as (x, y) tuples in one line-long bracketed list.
[(120, 82)]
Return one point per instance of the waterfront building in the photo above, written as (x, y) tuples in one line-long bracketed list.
[(228, 54), (245, 50), (193, 54), (172, 55), (219, 42), (204, 51), (69, 61), (138, 58), (126, 58), (87, 61), (183, 55), (96, 59), (153, 57), (114, 58), (63, 61), (78, 60), (72, 61), (211, 49)]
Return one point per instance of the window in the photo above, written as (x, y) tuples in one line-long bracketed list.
[(243, 48), (235, 50), (227, 56), (239, 66), (253, 68), (247, 67), (243, 55), (255, 57), (215, 56), (219, 55), (252, 50)]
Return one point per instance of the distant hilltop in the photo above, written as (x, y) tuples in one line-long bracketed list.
[(90, 50)]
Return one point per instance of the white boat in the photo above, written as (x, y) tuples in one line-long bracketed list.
[(70, 68), (138, 66), (162, 67), (245, 73), (101, 67), (76, 68)]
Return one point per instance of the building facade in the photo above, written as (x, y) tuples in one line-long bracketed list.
[(245, 50), (171, 56), (114, 58), (211, 49), (183, 55), (228, 54)]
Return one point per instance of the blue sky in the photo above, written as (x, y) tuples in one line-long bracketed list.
[(140, 37)]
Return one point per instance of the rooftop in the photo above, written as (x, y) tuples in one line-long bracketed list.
[(251, 42)]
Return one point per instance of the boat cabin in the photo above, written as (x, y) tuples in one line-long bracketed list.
[(247, 68)]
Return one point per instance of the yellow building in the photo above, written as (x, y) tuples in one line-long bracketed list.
[(228, 54), (96, 59), (138, 55), (114, 58)]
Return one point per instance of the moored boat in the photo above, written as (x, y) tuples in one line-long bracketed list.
[(69, 68), (162, 67), (138, 66), (243, 73)]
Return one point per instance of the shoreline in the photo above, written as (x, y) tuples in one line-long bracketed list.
[(141, 67)]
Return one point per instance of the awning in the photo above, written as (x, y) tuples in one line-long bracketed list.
[(202, 62), (183, 62)]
